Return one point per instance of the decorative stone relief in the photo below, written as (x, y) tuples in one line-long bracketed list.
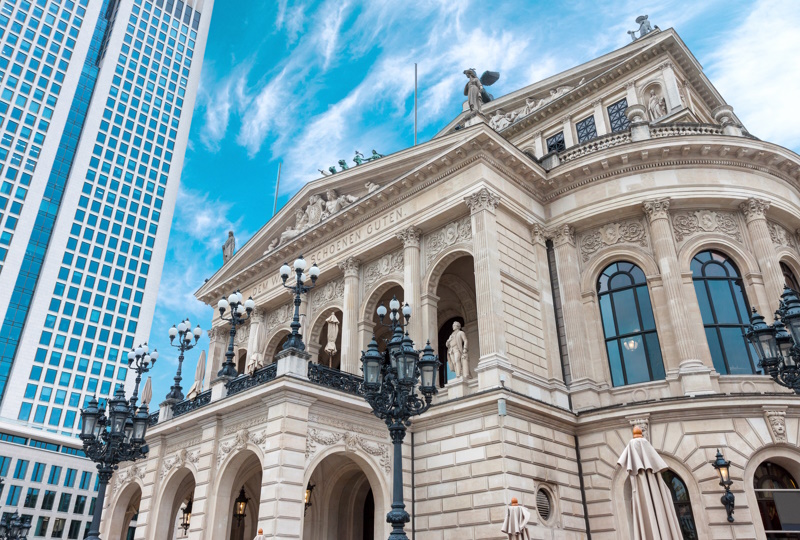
[(350, 267), (625, 232), (313, 213), (242, 335), (328, 292), (564, 234), (776, 420), (410, 236), (452, 233), (182, 457), (780, 236), (243, 436), (686, 224), (128, 475), (352, 442), (656, 209), (278, 316), (483, 199), (330, 421), (181, 445), (230, 430), (754, 209), (388, 264), (539, 234)]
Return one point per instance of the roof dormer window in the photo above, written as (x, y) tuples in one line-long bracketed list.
[(586, 129), (556, 143)]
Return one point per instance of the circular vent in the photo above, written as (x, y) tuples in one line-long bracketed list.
[(543, 504)]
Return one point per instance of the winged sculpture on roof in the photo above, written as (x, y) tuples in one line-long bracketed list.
[(475, 89)]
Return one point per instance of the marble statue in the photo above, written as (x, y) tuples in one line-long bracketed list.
[(473, 91), (343, 164), (300, 224), (333, 333), (531, 104), (499, 120), (314, 211), (457, 352), (228, 247), (273, 244), (644, 28), (371, 187), (657, 105), (336, 202)]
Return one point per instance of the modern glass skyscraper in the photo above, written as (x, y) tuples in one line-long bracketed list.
[(96, 100)]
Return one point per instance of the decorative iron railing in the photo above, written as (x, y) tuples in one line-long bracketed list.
[(153, 418), (189, 405), (246, 382), (333, 378)]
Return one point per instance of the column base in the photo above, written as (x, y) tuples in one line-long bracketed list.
[(293, 363), (457, 388), (695, 378)]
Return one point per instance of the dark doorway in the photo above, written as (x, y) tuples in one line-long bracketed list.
[(369, 517), (445, 373)]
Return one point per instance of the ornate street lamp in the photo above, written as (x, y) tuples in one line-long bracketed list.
[(295, 340), (776, 345), (118, 436), (184, 333), (14, 527), (723, 469), (390, 387), (307, 500), (186, 518), (240, 506), (240, 312)]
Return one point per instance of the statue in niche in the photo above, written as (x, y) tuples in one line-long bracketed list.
[(300, 224), (336, 202), (644, 28), (371, 187), (314, 210), (457, 352), (228, 247), (657, 105)]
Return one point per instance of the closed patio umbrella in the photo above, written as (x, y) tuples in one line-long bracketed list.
[(147, 392), (654, 516), (515, 524), (199, 374)]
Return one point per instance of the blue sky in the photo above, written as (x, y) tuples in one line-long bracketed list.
[(308, 83)]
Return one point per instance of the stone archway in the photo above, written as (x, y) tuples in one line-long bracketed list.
[(177, 489), (317, 338), (346, 504), (242, 471), (275, 345), (126, 508), (383, 334)]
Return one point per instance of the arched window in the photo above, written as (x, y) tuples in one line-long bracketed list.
[(788, 277), (778, 500), (683, 505), (725, 312), (634, 353)]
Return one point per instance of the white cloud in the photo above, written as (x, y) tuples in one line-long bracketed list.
[(755, 69)]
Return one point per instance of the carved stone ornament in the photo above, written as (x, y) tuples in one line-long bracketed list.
[(656, 209), (483, 199), (352, 443), (327, 293), (776, 420), (350, 267), (128, 475), (625, 232), (779, 235), (754, 209), (331, 421), (243, 436), (278, 316), (388, 264), (539, 234), (217, 333), (242, 335), (452, 233), (410, 236), (686, 224), (235, 428), (564, 234), (181, 458), (642, 423)]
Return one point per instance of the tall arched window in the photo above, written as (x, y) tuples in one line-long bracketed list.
[(634, 353), (778, 500), (683, 505), (788, 277), (723, 304)]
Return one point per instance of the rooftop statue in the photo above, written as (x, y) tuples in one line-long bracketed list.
[(343, 164), (644, 28), (475, 88), (228, 247), (359, 158)]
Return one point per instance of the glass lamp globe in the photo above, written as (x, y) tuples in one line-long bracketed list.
[(300, 264)]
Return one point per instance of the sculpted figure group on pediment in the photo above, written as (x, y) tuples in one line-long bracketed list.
[(501, 119), (317, 210)]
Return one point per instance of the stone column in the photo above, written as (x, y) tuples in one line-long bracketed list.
[(566, 124), (430, 322), (599, 118), (569, 280), (694, 375), (412, 281), (671, 87), (549, 330), (281, 508), (755, 213), (351, 352), (538, 144), (489, 292)]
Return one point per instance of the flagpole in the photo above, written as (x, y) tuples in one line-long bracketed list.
[(277, 186), (415, 104)]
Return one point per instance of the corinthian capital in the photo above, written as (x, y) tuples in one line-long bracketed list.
[(350, 266), (656, 209), (754, 209), (539, 234), (410, 237), (482, 200), (561, 235)]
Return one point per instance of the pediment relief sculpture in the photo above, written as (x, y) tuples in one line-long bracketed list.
[(502, 119), (686, 224), (625, 232)]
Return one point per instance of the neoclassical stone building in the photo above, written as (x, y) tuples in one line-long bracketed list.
[(601, 237)]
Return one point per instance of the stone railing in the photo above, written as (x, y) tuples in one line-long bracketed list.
[(246, 382), (595, 145), (189, 405), (681, 129), (333, 378), (153, 418)]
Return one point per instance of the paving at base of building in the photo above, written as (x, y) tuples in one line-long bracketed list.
[(600, 236)]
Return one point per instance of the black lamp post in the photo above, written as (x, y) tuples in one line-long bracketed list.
[(723, 469), (240, 506), (14, 527), (118, 436), (309, 490), (186, 518), (240, 312), (184, 333), (295, 340), (390, 387), (776, 345)]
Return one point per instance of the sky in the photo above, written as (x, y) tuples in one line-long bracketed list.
[(307, 83)]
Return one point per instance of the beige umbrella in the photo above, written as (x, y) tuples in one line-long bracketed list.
[(654, 516), (515, 524), (199, 373), (333, 333), (147, 392)]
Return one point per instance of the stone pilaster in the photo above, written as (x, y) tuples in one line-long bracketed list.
[(489, 293), (549, 330), (538, 144), (671, 87), (599, 118), (755, 213), (693, 374), (350, 346), (630, 94), (217, 344), (566, 125), (412, 281)]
